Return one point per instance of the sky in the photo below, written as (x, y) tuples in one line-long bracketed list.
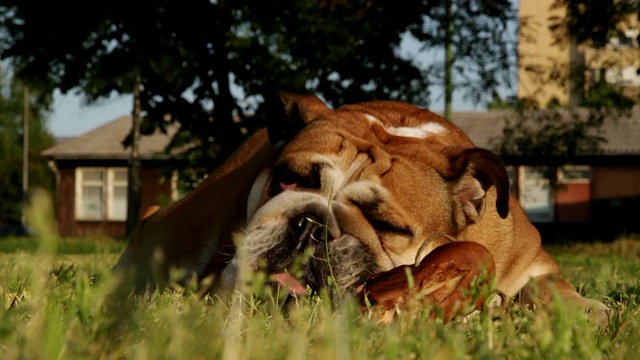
[(71, 117)]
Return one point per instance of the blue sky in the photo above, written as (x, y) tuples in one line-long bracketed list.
[(70, 117)]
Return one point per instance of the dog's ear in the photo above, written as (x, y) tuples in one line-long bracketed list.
[(472, 172), (288, 113)]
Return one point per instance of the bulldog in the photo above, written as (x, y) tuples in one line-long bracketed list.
[(355, 191)]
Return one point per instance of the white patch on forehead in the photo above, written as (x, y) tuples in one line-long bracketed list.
[(373, 120), (433, 128), (419, 132)]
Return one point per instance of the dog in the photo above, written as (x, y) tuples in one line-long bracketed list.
[(361, 190)]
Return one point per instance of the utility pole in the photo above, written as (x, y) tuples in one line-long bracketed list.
[(25, 149), (134, 184)]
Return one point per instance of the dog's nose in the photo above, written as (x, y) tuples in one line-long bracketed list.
[(309, 227)]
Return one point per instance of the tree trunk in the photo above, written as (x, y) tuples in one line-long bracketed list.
[(134, 183), (448, 60), (226, 134)]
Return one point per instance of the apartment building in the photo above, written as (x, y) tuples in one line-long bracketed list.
[(553, 69)]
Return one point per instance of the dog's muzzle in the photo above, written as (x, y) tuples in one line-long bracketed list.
[(306, 228), (299, 233)]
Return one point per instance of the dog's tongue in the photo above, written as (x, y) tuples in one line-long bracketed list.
[(290, 283)]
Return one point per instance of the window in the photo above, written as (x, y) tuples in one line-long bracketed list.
[(535, 195), (574, 174), (101, 194)]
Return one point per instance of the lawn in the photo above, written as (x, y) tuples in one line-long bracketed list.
[(56, 305)]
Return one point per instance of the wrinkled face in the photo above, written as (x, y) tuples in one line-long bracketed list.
[(353, 203)]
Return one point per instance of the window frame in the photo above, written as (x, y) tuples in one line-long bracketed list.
[(108, 185)]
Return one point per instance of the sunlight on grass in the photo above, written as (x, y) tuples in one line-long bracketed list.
[(61, 306)]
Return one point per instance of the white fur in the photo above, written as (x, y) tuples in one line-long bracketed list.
[(256, 192), (419, 132), (373, 120)]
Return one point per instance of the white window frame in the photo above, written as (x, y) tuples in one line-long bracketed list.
[(108, 184)]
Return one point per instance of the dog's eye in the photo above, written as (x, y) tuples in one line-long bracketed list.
[(384, 221), (390, 227), (286, 178)]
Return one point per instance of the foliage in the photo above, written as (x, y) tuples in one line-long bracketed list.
[(203, 60), (603, 95), (11, 149), (484, 46), (591, 21), (567, 134)]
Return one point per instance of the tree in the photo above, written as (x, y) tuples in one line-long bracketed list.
[(190, 53), (11, 125), (592, 21), (479, 42), (193, 55)]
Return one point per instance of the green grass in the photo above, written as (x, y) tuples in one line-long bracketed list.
[(56, 305), (89, 245)]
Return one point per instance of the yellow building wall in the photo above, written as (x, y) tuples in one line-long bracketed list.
[(543, 69)]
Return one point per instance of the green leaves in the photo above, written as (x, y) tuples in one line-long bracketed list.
[(208, 65)]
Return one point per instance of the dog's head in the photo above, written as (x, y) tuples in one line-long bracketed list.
[(358, 190)]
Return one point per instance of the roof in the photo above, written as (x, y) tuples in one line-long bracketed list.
[(622, 134), (105, 142), (483, 127)]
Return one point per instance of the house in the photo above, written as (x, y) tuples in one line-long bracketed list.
[(598, 193), (600, 189), (91, 178)]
